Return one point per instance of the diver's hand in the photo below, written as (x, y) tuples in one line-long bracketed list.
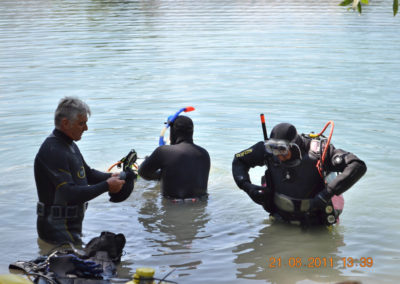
[(257, 193), (115, 184), (115, 174), (320, 201)]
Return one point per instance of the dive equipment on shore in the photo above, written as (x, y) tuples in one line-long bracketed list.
[(170, 120), (13, 279), (145, 275), (95, 264)]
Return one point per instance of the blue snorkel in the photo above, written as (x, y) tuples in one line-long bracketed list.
[(170, 120)]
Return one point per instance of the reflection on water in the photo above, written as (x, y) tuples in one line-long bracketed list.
[(179, 223), (281, 249), (169, 234), (174, 227)]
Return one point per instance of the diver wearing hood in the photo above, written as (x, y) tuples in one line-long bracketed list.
[(183, 167), (64, 182), (293, 189)]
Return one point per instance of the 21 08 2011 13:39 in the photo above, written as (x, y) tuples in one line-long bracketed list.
[(320, 262)]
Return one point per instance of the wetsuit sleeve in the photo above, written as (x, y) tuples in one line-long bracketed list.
[(349, 167), (57, 170), (94, 176), (243, 161), (150, 169)]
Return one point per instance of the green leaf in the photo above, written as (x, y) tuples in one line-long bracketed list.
[(346, 2), (395, 7), (359, 9), (366, 2)]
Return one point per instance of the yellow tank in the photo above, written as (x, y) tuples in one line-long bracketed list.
[(13, 279), (143, 275)]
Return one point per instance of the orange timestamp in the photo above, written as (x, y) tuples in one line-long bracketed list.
[(320, 262)]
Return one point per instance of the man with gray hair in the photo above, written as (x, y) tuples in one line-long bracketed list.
[(64, 182)]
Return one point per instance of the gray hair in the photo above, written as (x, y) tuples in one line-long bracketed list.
[(70, 108)]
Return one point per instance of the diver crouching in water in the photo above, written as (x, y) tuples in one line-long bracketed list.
[(294, 186)]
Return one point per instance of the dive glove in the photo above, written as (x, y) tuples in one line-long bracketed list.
[(320, 201), (257, 193)]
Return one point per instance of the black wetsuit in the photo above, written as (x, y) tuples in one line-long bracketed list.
[(183, 167), (299, 182), (64, 184)]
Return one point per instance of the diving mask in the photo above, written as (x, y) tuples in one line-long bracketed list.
[(277, 147), (281, 147)]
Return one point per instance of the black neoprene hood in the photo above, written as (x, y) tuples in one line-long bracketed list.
[(284, 131), (181, 130)]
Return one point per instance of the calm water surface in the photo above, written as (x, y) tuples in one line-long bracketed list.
[(136, 62)]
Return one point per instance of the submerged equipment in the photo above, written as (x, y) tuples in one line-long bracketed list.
[(169, 122)]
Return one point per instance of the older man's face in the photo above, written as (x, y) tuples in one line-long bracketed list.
[(75, 128)]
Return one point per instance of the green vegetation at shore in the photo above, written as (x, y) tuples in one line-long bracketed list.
[(357, 5)]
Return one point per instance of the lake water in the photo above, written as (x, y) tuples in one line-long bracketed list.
[(137, 62)]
